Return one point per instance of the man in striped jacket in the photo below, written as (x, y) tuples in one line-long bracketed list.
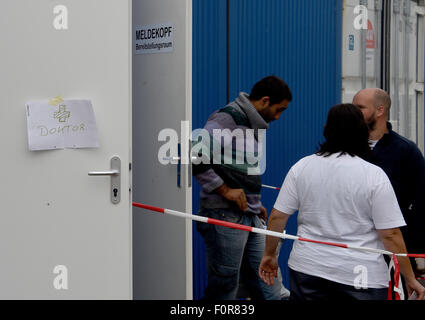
[(228, 171)]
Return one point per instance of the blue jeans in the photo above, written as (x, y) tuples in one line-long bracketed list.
[(231, 253)]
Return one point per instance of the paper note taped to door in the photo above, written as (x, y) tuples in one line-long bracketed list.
[(69, 124)]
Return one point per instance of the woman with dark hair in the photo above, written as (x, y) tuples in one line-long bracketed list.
[(340, 197), (346, 133)]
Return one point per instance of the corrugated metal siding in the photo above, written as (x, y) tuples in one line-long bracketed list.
[(209, 93), (297, 40)]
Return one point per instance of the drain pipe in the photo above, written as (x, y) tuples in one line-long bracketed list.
[(378, 27), (406, 105), (396, 10), (363, 48)]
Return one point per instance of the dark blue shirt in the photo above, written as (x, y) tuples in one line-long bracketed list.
[(404, 164)]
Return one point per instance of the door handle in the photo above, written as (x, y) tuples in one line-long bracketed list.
[(171, 158), (115, 174), (177, 160), (104, 173)]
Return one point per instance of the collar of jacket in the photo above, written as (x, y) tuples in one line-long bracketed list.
[(387, 136), (255, 119)]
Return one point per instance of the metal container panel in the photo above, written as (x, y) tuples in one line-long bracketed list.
[(297, 40), (209, 93)]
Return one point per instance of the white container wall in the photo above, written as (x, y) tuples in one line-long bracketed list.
[(387, 52)]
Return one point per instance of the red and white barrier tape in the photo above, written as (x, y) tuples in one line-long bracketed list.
[(268, 232), (270, 187), (398, 285), (397, 280)]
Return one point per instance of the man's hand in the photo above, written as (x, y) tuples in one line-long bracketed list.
[(263, 214), (235, 195), (268, 269)]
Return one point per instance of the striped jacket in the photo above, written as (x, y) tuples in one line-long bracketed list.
[(230, 152)]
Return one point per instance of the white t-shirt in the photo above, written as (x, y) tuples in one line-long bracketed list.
[(340, 199), (372, 143)]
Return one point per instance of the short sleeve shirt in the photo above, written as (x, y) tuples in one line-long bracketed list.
[(343, 199)]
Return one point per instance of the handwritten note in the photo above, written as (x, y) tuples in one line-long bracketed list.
[(67, 124)]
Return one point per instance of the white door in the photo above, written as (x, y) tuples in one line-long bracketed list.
[(162, 82), (61, 237)]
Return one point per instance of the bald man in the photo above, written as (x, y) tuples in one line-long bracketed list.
[(402, 161), (375, 105)]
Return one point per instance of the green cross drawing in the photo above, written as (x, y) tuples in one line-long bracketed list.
[(62, 114)]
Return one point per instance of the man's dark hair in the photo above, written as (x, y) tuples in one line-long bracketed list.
[(345, 132), (272, 87)]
